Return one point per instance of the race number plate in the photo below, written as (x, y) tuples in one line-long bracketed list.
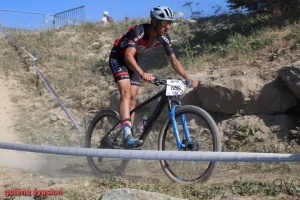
[(174, 88)]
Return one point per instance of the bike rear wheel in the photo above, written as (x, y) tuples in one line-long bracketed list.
[(107, 121), (204, 135)]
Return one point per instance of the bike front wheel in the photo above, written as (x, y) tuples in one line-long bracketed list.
[(104, 132), (204, 136)]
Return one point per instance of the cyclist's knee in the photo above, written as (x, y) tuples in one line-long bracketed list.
[(125, 94), (132, 100)]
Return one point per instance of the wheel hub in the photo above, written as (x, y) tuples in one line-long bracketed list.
[(192, 146)]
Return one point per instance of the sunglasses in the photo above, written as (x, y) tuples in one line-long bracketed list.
[(165, 23)]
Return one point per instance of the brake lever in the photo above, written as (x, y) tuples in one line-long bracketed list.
[(188, 84), (156, 83)]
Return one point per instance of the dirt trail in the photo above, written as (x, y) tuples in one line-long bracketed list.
[(11, 158), (42, 164), (15, 165)]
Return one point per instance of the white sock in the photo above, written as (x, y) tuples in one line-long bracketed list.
[(126, 127)]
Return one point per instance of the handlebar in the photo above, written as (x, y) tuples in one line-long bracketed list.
[(158, 81)]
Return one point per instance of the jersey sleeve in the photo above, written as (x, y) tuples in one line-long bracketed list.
[(166, 42), (134, 35)]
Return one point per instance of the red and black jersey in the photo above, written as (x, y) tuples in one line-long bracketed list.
[(138, 36)]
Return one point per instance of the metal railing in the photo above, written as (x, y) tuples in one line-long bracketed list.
[(48, 86), (22, 21), (69, 17)]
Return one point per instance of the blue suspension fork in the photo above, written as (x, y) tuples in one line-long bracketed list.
[(180, 145)]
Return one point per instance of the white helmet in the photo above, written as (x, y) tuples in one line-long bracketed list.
[(162, 13), (105, 13)]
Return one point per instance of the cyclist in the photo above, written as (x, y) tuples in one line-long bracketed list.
[(126, 71)]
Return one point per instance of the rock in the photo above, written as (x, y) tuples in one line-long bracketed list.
[(133, 194), (291, 76), (244, 95), (96, 45), (53, 118), (267, 124)]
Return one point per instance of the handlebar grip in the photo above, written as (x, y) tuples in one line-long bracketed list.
[(189, 83), (153, 78)]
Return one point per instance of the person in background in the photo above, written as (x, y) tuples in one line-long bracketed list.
[(126, 71), (106, 18), (126, 20)]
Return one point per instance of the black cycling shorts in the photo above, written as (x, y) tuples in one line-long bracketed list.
[(121, 70)]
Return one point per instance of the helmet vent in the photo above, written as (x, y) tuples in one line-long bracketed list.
[(162, 15), (167, 11)]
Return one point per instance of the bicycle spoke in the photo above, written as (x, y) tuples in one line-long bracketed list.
[(105, 133), (201, 138)]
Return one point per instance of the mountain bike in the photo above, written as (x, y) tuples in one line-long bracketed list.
[(187, 128)]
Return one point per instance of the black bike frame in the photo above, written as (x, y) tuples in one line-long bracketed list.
[(160, 106)]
